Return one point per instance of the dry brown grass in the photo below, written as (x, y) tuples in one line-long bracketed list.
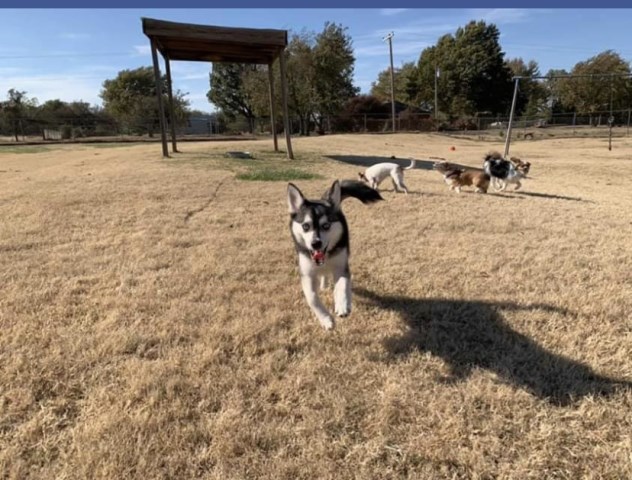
[(153, 326)]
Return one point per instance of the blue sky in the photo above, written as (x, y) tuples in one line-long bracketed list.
[(67, 54)]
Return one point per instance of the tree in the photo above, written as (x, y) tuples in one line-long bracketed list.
[(554, 88), (229, 93), (362, 112), (300, 74), (333, 71), (532, 94), (15, 109), (406, 84), (473, 75), (593, 94), (131, 99), (319, 73)]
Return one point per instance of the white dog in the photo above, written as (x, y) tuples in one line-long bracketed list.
[(376, 174)]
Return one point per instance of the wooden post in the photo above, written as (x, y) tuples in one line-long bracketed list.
[(161, 110), (172, 123), (272, 107), (629, 110), (286, 118)]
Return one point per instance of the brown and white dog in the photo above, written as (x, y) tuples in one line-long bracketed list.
[(457, 176)]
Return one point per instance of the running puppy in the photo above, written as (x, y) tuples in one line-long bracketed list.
[(504, 172), (457, 176), (321, 237), (376, 174)]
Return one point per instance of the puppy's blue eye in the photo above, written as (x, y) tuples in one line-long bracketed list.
[(325, 226), (306, 227)]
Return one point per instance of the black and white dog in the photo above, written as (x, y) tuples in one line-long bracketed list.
[(321, 237), (501, 171)]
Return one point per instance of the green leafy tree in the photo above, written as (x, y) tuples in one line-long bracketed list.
[(333, 71), (593, 94), (229, 93), (555, 91), (131, 99), (406, 84), (532, 94), (15, 109), (300, 72), (473, 75)]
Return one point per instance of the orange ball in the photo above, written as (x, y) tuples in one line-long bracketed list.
[(453, 148)]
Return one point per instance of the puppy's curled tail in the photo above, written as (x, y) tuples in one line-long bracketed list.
[(359, 190), (413, 162)]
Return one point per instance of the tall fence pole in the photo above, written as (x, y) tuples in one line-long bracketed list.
[(629, 110), (389, 37), (611, 117), (511, 115)]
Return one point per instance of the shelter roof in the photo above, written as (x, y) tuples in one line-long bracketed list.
[(205, 43)]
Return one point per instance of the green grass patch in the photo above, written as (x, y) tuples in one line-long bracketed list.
[(276, 175), (115, 145), (23, 149)]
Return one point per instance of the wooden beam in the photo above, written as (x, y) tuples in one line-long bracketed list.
[(286, 118), (272, 108), (228, 35), (218, 57), (161, 110), (172, 123)]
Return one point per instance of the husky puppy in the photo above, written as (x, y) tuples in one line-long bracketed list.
[(456, 176), (376, 174), (321, 237)]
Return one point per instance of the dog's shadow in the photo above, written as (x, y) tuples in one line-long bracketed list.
[(551, 196), (472, 334), (367, 161)]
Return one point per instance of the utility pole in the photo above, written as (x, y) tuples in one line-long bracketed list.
[(511, 116), (611, 117), (436, 90), (389, 37)]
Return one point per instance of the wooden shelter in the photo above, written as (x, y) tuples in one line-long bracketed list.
[(204, 43)]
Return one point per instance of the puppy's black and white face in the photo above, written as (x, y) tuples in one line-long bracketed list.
[(317, 226)]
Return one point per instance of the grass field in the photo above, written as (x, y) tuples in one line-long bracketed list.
[(153, 325)]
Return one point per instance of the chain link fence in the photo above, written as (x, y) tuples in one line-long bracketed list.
[(78, 129)]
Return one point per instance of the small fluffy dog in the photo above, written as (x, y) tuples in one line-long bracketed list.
[(376, 174), (522, 169), (321, 237), (504, 172), (456, 176)]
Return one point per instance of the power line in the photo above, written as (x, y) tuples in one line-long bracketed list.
[(67, 55)]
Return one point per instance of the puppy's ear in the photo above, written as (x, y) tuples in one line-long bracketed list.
[(295, 198), (335, 195)]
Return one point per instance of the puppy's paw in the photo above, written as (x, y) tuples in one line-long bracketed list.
[(343, 310), (327, 322)]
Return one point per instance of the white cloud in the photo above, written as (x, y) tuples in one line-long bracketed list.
[(408, 40), (68, 87), (388, 12), (142, 49), (502, 15), (74, 36), (9, 70)]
